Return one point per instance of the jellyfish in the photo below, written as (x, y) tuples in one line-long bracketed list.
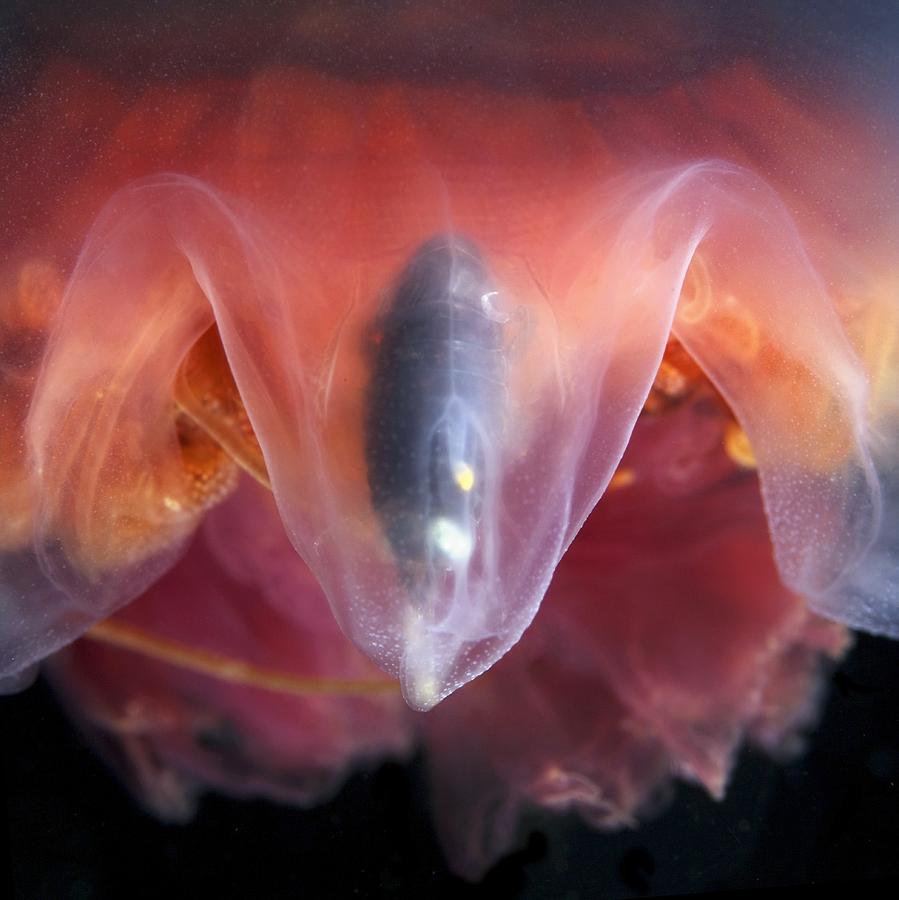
[(493, 408)]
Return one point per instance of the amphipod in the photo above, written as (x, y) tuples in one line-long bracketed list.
[(434, 414)]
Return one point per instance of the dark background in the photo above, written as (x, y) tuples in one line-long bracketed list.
[(831, 817)]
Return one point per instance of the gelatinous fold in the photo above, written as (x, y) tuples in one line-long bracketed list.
[(121, 470)]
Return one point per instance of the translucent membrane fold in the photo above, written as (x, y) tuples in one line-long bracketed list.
[(118, 481)]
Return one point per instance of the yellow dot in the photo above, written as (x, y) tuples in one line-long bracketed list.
[(622, 478), (464, 475), (737, 445)]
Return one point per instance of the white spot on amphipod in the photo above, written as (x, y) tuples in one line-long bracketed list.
[(452, 540), (489, 307)]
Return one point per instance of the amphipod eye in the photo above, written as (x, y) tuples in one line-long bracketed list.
[(434, 412)]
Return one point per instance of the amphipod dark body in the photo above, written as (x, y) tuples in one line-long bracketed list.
[(434, 408)]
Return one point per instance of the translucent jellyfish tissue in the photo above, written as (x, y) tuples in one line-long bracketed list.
[(321, 390)]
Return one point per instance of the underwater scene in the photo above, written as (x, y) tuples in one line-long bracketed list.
[(449, 448)]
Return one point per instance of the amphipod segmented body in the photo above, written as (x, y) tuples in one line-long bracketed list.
[(434, 410)]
